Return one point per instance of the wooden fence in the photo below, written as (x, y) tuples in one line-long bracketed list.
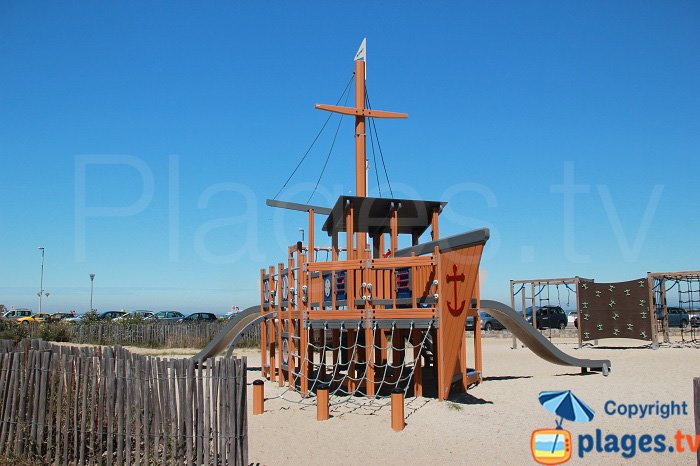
[(92, 405), (150, 334)]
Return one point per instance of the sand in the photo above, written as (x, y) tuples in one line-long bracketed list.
[(492, 423)]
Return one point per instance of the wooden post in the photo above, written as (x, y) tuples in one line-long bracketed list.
[(696, 396), (394, 222), (310, 252), (263, 326), (258, 397), (322, 403), (397, 414), (280, 325), (376, 248), (271, 326), (416, 340), (478, 359), (664, 309), (652, 312), (577, 284), (512, 304), (534, 307), (435, 233), (300, 306)]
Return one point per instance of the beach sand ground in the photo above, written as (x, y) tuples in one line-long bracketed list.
[(493, 422)]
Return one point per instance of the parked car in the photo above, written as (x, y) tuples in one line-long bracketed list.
[(572, 316), (110, 315), (487, 322), (56, 316), (548, 317), (135, 315), (15, 314), (199, 316), (38, 317), (74, 319), (695, 321), (166, 315), (677, 316)]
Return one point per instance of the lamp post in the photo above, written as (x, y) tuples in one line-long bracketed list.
[(41, 283), (92, 288)]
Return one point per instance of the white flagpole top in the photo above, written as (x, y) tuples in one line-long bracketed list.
[(362, 51)]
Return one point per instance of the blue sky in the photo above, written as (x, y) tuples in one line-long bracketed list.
[(139, 141)]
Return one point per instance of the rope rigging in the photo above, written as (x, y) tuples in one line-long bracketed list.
[(330, 115), (381, 154), (330, 151), (374, 155)]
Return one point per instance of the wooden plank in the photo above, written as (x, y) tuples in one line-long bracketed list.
[(18, 418), (223, 411), (153, 393), (232, 413), (135, 381), (7, 435), (59, 407), (109, 407), (94, 395), (153, 426), (207, 409), (189, 412), (34, 404), (78, 376), (215, 409), (200, 416), (5, 387), (87, 366), (53, 382), (182, 410), (68, 375), (242, 417), (41, 418), (334, 266), (172, 394), (128, 405), (363, 112)]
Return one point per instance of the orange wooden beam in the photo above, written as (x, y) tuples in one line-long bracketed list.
[(363, 112)]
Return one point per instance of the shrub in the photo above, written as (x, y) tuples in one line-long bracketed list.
[(90, 317), (11, 330), (55, 331)]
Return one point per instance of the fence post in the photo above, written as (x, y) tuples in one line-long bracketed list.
[(397, 415), (258, 397), (322, 403)]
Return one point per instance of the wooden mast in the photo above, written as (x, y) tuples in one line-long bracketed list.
[(360, 113)]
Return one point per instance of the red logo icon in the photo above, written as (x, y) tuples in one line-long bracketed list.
[(455, 278)]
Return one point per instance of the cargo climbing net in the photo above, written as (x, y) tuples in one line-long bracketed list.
[(345, 389), (679, 293)]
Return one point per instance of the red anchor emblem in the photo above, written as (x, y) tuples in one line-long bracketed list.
[(455, 278)]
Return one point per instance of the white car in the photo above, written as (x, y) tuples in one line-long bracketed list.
[(135, 314), (15, 314), (571, 317)]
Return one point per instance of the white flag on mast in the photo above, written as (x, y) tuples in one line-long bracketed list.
[(362, 51)]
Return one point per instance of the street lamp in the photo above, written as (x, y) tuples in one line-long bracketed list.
[(92, 287), (41, 292)]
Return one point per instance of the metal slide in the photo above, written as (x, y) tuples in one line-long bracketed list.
[(231, 333), (537, 343)]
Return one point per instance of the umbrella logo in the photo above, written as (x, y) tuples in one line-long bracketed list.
[(553, 446)]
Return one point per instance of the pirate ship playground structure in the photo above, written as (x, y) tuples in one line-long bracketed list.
[(369, 321), (366, 322)]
